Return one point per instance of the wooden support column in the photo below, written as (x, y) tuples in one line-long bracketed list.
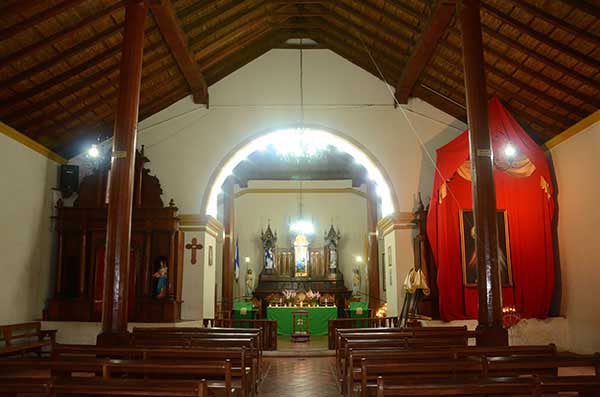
[(490, 329), (118, 235), (228, 248), (373, 253)]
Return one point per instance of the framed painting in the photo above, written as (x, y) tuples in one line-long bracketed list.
[(468, 250)]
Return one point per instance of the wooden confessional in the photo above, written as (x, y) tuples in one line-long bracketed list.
[(81, 240)]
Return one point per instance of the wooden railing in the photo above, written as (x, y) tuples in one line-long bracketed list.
[(370, 322), (269, 328)]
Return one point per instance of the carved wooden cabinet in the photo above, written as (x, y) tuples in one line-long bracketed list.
[(81, 235)]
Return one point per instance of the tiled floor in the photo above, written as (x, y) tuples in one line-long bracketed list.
[(301, 377)]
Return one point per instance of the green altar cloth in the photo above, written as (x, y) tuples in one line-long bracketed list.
[(353, 309), (318, 318), (237, 311)]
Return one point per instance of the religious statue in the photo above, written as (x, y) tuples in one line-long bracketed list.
[(332, 239), (356, 282), (301, 255), (269, 240), (249, 282), (163, 280)]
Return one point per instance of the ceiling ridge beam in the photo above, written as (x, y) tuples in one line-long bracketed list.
[(177, 41), (424, 49), (558, 22), (541, 38), (41, 16), (59, 35), (373, 36)]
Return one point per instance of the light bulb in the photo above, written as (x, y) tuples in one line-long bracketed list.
[(93, 151), (358, 259), (247, 259), (509, 150)]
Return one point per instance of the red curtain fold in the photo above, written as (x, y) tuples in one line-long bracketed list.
[(530, 210)]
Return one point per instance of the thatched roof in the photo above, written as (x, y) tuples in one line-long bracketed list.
[(59, 59)]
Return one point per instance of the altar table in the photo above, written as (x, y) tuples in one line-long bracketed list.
[(318, 318)]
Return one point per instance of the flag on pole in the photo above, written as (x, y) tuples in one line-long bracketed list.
[(236, 261)]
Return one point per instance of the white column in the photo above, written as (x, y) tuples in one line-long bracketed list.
[(199, 279), (397, 231)]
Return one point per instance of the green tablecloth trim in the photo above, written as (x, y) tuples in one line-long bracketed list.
[(318, 318)]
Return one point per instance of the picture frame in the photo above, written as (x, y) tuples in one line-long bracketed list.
[(467, 248)]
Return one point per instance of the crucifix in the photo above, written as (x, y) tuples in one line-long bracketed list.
[(194, 246)]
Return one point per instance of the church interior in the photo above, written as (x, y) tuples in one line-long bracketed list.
[(299, 197)]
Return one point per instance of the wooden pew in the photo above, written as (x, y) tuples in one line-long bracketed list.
[(461, 369), (351, 373), (237, 357), (268, 328), (220, 376), (455, 387), (21, 338), (95, 386), (356, 323)]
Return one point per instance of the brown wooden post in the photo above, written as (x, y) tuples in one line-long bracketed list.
[(118, 235), (490, 329), (228, 222), (373, 254)]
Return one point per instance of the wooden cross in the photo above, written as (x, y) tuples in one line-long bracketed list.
[(194, 246)]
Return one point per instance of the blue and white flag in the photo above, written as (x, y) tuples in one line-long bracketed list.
[(236, 261)]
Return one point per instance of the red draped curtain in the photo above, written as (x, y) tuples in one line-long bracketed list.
[(529, 203)]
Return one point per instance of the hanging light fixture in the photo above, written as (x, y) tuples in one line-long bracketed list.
[(302, 226)]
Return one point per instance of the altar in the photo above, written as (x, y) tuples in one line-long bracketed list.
[(318, 318), (301, 268)]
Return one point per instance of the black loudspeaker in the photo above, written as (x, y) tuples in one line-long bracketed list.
[(69, 179)]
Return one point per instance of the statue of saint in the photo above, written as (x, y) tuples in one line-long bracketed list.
[(332, 239), (355, 282), (163, 279), (249, 282), (269, 258)]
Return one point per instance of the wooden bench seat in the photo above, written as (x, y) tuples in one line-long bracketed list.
[(97, 386), (25, 337)]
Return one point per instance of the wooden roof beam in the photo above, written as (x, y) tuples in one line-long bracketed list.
[(542, 38), (61, 34), (37, 18), (584, 6), (167, 22), (424, 49), (558, 22)]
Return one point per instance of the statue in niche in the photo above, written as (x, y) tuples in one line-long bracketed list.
[(162, 279), (249, 282), (332, 239), (356, 282), (301, 255), (269, 239)]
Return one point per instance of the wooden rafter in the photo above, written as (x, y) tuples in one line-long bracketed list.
[(38, 18), (61, 34), (558, 22), (167, 22), (542, 38), (424, 49), (584, 6)]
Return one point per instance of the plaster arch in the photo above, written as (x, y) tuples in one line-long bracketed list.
[(262, 139)]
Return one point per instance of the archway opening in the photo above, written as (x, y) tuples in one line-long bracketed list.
[(302, 142)]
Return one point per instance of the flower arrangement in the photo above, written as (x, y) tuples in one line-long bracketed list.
[(313, 297), (289, 295)]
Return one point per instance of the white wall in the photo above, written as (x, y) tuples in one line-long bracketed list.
[(266, 201), (186, 142), (577, 167), (26, 244)]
